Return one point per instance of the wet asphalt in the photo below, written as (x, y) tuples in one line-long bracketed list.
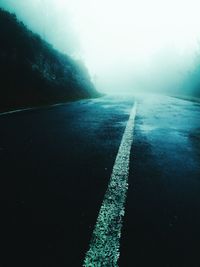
[(162, 222), (55, 167)]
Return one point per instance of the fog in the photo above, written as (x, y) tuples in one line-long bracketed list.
[(126, 45)]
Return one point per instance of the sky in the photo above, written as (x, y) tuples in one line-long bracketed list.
[(127, 45)]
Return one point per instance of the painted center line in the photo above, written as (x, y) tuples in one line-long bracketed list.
[(105, 241)]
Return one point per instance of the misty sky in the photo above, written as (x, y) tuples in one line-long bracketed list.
[(126, 45)]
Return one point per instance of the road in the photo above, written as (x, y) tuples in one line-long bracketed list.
[(56, 165)]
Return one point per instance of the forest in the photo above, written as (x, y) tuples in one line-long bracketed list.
[(33, 72)]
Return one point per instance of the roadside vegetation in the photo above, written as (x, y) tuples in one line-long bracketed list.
[(33, 72)]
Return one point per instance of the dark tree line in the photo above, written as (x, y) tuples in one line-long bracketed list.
[(32, 72)]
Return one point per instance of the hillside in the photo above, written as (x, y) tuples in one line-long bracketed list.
[(33, 72)]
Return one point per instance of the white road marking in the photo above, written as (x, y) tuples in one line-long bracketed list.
[(33, 108), (15, 111), (105, 242)]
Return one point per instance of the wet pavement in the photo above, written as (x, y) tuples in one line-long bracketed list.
[(56, 164)]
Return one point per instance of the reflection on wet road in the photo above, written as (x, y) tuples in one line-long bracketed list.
[(56, 165)]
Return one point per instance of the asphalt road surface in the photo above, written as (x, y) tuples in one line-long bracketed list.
[(56, 165)]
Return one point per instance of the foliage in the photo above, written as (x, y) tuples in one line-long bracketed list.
[(33, 72)]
